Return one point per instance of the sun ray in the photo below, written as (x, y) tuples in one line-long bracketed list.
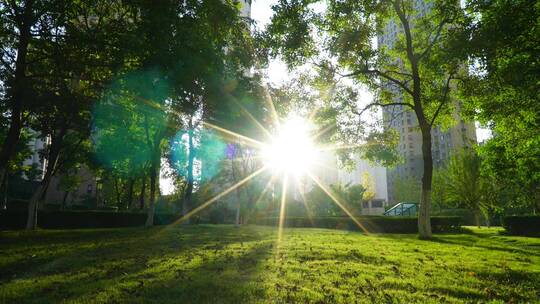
[(304, 201), (266, 132), (273, 111), (322, 131), (282, 208), (336, 200), (252, 141), (340, 147), (240, 159), (222, 194), (265, 189), (312, 113), (324, 166)]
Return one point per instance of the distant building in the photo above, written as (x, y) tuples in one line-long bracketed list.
[(86, 190), (328, 172), (245, 10), (377, 174), (36, 145)]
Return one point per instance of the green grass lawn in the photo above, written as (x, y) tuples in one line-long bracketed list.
[(223, 264)]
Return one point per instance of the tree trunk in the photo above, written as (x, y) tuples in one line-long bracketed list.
[(238, 194), (143, 191), (131, 183), (19, 87), (424, 220), (39, 193), (188, 197), (64, 199), (117, 190), (151, 204), (477, 219), (247, 167), (237, 220)]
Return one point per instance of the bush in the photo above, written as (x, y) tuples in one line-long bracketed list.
[(107, 208), (82, 219), (373, 224), (467, 216), (18, 205), (522, 225), (78, 207)]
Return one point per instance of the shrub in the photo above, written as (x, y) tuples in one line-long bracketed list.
[(522, 225), (107, 208), (78, 207), (466, 215), (82, 219), (18, 205), (375, 224)]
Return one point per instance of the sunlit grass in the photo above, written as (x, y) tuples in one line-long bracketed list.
[(223, 264)]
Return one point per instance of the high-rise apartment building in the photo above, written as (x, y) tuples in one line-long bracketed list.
[(403, 120)]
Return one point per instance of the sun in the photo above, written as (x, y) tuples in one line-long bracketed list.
[(291, 150)]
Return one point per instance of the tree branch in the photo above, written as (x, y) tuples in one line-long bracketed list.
[(407, 30), (443, 101), (435, 39), (375, 104), (381, 74)]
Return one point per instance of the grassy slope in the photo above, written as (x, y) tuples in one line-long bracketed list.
[(222, 264)]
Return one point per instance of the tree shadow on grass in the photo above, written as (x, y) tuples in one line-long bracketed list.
[(476, 243), (511, 285), (85, 270), (225, 279), (472, 240)]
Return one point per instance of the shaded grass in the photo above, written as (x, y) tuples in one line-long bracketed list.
[(223, 264)]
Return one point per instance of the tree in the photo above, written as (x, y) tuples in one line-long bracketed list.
[(440, 192), (65, 85), (18, 19), (131, 124), (369, 186), (416, 74), (69, 182), (501, 38), (355, 195), (185, 57), (407, 189), (464, 183)]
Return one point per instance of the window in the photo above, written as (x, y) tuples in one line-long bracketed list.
[(410, 145), (89, 189), (365, 205), (377, 204)]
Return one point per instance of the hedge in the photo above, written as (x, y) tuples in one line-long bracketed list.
[(522, 225), (376, 224), (82, 219)]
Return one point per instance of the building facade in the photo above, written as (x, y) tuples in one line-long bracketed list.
[(36, 145), (376, 176), (328, 172)]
